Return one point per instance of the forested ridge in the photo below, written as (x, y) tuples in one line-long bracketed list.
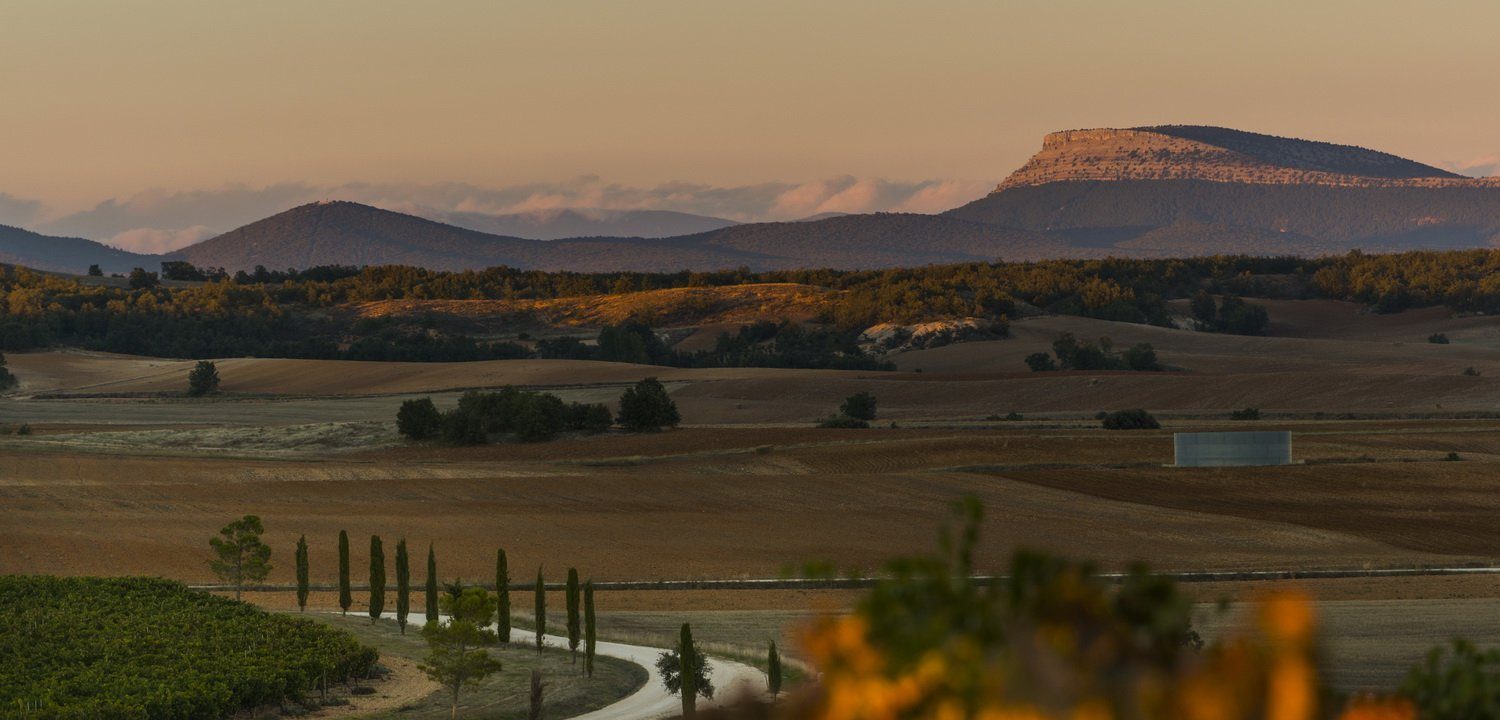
[(296, 314)]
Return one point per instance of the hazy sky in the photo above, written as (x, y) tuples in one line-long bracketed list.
[(111, 99)]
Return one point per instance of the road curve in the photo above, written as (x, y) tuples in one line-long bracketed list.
[(732, 680)]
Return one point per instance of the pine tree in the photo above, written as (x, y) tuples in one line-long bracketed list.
[(541, 611), (403, 585), (688, 672), (590, 630), (377, 578), (239, 555), (502, 593), (302, 570), (773, 670), (432, 586), (346, 598), (575, 627)]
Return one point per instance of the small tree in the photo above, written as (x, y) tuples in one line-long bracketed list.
[(590, 629), (647, 407), (377, 578), (541, 611), (456, 655), (403, 585), (502, 596), (1040, 362), (302, 574), (685, 671), (860, 406), (537, 686), (240, 556), (1136, 419), (346, 595), (575, 620), (6, 378), (203, 379), (419, 419), (773, 670), (140, 279), (432, 586), (96, 271)]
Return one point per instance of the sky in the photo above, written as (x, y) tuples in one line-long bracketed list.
[(153, 122)]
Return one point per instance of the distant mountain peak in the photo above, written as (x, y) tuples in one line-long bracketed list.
[(1217, 154)]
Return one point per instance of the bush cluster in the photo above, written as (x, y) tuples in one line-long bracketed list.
[(1136, 419), (1075, 355)]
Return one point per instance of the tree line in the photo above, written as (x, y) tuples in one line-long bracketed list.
[(531, 416), (457, 654)]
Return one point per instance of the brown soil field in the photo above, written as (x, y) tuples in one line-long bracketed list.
[(617, 506)]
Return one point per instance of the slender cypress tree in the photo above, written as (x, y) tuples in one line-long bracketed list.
[(432, 595), (302, 582), (502, 592), (345, 597), (403, 584), (377, 578), (687, 670), (541, 610), (575, 628), (590, 631), (773, 670)]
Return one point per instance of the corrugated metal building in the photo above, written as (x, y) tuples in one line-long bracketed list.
[(1227, 449)]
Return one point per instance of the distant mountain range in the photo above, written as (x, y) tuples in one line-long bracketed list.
[(581, 222), (1153, 191)]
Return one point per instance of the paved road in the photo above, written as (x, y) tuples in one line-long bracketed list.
[(732, 680)]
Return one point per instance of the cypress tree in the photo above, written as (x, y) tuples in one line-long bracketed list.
[(432, 595), (302, 582), (345, 598), (377, 578), (590, 631), (687, 670), (502, 590), (403, 584), (541, 610), (773, 670), (575, 628)]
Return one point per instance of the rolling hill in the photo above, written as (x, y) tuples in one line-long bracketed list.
[(65, 254), (331, 233)]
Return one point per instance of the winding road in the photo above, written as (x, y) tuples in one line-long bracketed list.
[(732, 680)]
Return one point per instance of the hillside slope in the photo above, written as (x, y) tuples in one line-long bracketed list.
[(66, 254), (562, 223)]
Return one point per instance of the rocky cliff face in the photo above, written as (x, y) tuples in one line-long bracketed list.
[(1186, 152)]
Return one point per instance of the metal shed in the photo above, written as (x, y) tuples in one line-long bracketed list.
[(1226, 449)]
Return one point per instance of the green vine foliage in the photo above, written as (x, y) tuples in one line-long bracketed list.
[(132, 648)]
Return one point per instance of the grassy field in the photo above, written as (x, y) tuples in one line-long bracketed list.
[(503, 695)]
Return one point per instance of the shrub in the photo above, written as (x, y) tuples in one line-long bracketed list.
[(1458, 684), (646, 406), (1040, 362), (7, 379), (1471, 371), (1438, 339), (843, 421), (203, 379), (142, 280), (464, 427), (1245, 414), (539, 416), (1141, 357), (419, 419), (590, 419), (860, 406), (1136, 419), (1453, 457)]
